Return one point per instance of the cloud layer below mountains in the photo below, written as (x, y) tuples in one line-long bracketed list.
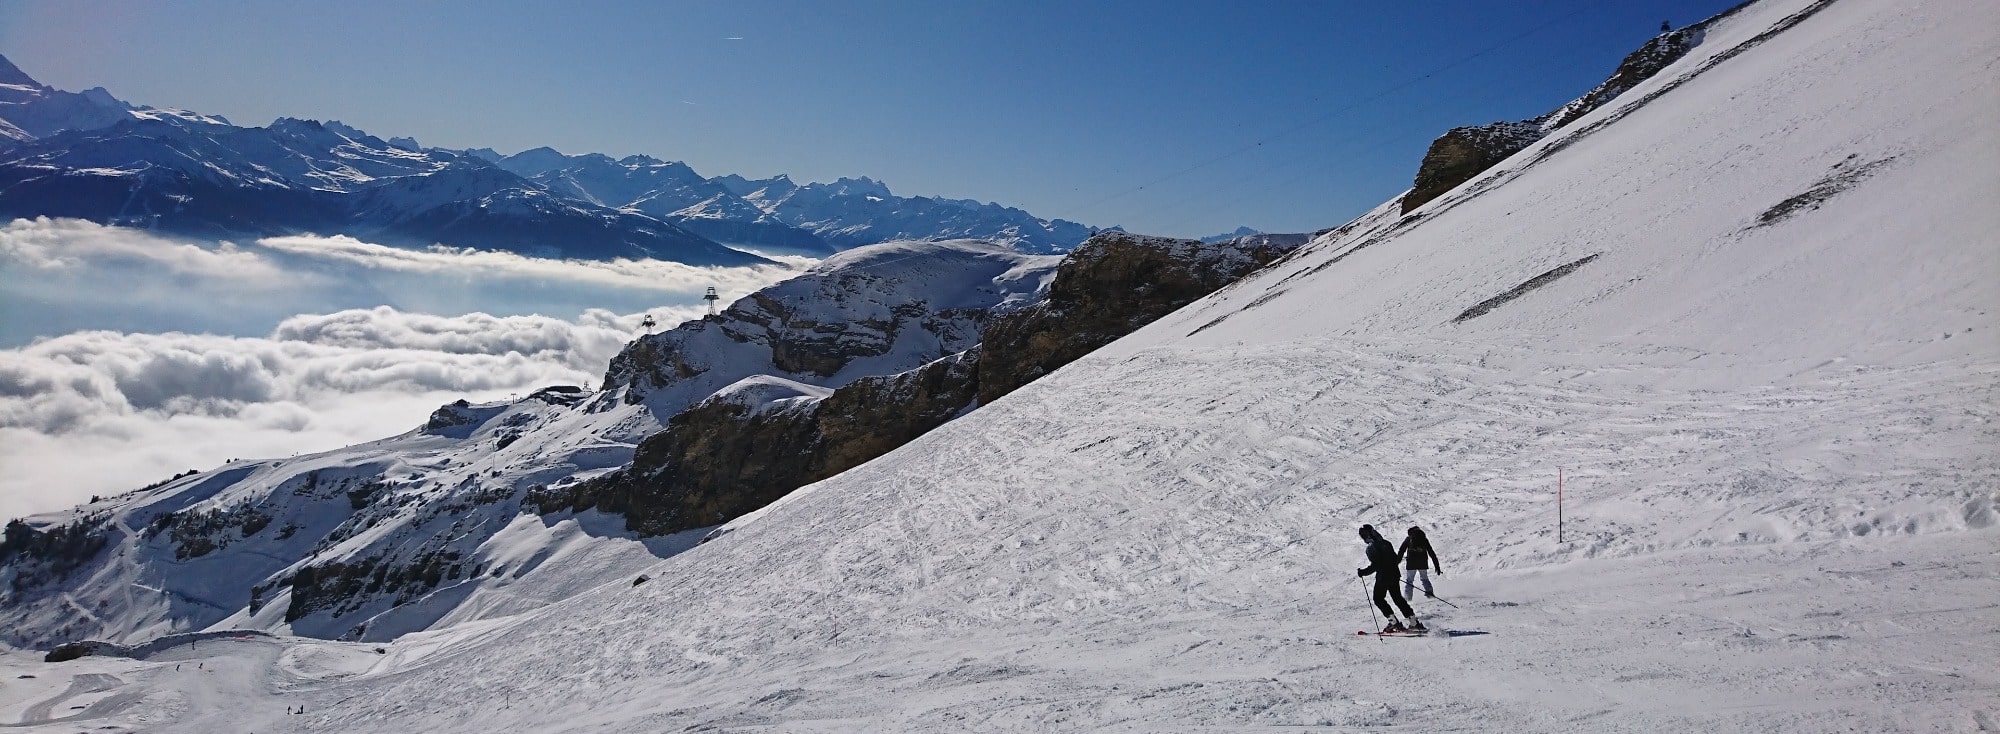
[(137, 357), (66, 275)]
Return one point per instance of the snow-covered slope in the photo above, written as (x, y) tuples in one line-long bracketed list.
[(1748, 308), (429, 528)]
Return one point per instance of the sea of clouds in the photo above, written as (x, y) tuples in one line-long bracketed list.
[(134, 357)]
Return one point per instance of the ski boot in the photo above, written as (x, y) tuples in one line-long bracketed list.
[(1416, 626), (1394, 627)]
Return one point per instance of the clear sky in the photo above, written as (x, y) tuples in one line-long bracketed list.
[(1177, 118)]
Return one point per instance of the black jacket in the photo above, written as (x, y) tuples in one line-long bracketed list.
[(1418, 554), (1381, 559)]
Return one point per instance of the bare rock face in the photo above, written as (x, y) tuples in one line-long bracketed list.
[(651, 362), (724, 458), (871, 417), (1464, 152), (713, 462), (1637, 67), (1110, 286), (735, 453)]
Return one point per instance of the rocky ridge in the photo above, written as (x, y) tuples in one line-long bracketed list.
[(728, 455), (1464, 152)]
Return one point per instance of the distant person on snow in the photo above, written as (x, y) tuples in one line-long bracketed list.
[(1418, 559), (1382, 562)]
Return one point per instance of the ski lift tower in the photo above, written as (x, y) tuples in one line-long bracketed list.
[(711, 298)]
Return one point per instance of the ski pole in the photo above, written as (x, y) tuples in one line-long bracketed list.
[(1446, 603), (1368, 603)]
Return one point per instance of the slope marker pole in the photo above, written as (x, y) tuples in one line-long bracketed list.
[(1559, 504)]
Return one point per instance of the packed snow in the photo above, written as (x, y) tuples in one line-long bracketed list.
[(1775, 418)]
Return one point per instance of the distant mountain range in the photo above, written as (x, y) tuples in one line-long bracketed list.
[(89, 155)]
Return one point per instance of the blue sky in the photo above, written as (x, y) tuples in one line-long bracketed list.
[(1169, 118)]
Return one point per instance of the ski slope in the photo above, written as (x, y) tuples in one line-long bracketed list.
[(1770, 383)]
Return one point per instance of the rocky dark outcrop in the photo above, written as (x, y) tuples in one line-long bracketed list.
[(648, 363), (1638, 66), (1110, 286), (873, 416), (713, 462), (725, 458), (1464, 152), (722, 458), (40, 554)]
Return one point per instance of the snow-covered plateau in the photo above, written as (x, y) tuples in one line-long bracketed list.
[(1750, 310)]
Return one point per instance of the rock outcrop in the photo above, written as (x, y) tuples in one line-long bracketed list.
[(1111, 285), (1464, 152), (724, 458), (730, 455)]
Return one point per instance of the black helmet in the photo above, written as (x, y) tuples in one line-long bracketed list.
[(1368, 532)]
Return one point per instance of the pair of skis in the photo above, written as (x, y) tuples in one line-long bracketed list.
[(1404, 633), (1400, 633)]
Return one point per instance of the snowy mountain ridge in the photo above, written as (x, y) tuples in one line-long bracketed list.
[(204, 177), (778, 214), (89, 155), (1745, 307)]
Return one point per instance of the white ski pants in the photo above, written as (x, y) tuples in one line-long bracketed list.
[(1410, 577)]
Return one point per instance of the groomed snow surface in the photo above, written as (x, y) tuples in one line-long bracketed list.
[(1776, 415)]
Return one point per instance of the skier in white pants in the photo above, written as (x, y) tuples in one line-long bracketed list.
[(1418, 558)]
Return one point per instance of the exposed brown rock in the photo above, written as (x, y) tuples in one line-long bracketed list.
[(1110, 286), (872, 416), (723, 458), (1464, 152), (713, 462)]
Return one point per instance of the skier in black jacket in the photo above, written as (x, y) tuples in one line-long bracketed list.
[(1382, 561), (1418, 559)]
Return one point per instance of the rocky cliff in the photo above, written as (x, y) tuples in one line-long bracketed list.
[(1464, 152), (1112, 285), (749, 445)]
